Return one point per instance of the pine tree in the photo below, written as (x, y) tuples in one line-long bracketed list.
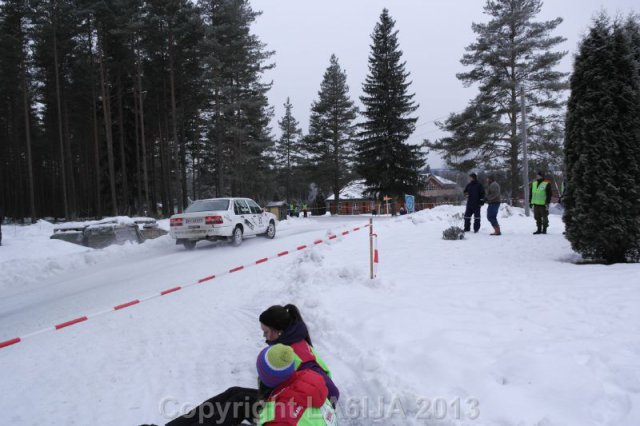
[(239, 133), (511, 51), (330, 142), (602, 146), (388, 164), (288, 150)]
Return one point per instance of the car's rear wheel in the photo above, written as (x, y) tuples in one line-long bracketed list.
[(236, 238), (271, 230), (189, 245)]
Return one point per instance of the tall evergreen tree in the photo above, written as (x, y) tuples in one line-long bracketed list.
[(511, 51), (602, 145), (288, 149), (389, 165), (239, 110), (332, 131)]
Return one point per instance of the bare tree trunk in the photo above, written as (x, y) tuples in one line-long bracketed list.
[(167, 208), (60, 135), (142, 135), (178, 144), (73, 208), (168, 155), (194, 178), (138, 203), (106, 107), (27, 131), (220, 192), (96, 142), (123, 158), (155, 181)]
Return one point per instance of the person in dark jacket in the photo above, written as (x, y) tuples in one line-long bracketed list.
[(539, 200), (493, 204), (475, 198)]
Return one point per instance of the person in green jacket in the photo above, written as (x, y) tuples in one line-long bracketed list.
[(539, 200), (297, 397)]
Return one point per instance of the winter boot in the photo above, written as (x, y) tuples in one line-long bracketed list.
[(538, 231), (544, 230), (496, 230)]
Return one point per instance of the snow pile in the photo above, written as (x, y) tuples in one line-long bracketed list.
[(29, 256), (487, 331)]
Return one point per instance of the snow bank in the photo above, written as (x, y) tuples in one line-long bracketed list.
[(28, 256)]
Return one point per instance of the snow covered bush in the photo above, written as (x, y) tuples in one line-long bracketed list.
[(453, 233)]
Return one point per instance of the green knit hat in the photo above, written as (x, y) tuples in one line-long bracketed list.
[(275, 364)]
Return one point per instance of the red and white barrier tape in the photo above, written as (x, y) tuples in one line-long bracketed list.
[(84, 318)]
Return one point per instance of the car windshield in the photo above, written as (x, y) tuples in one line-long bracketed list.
[(207, 205)]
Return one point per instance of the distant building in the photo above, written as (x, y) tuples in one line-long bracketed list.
[(353, 200), (438, 190)]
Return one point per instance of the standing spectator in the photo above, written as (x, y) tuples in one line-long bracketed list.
[(493, 204), (475, 198), (539, 200)]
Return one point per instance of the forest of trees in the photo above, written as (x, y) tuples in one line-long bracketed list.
[(132, 107)]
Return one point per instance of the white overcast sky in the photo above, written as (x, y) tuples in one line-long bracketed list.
[(432, 36)]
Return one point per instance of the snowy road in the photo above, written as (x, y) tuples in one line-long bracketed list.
[(144, 272)]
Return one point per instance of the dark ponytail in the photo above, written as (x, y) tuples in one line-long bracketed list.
[(294, 313), (296, 317)]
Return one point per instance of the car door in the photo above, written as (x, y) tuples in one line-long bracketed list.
[(260, 219), (243, 213)]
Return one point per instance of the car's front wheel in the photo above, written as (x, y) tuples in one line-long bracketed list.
[(236, 238), (271, 230), (189, 245)]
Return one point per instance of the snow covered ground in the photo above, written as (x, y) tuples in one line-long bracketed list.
[(485, 331)]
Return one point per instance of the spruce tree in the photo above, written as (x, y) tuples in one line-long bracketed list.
[(288, 150), (388, 164), (239, 133), (511, 51), (602, 146), (330, 142)]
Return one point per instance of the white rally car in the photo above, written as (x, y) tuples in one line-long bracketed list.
[(221, 218)]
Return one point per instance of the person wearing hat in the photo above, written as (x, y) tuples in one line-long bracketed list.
[(298, 397), (539, 200), (280, 325), (493, 204), (284, 324), (475, 198)]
